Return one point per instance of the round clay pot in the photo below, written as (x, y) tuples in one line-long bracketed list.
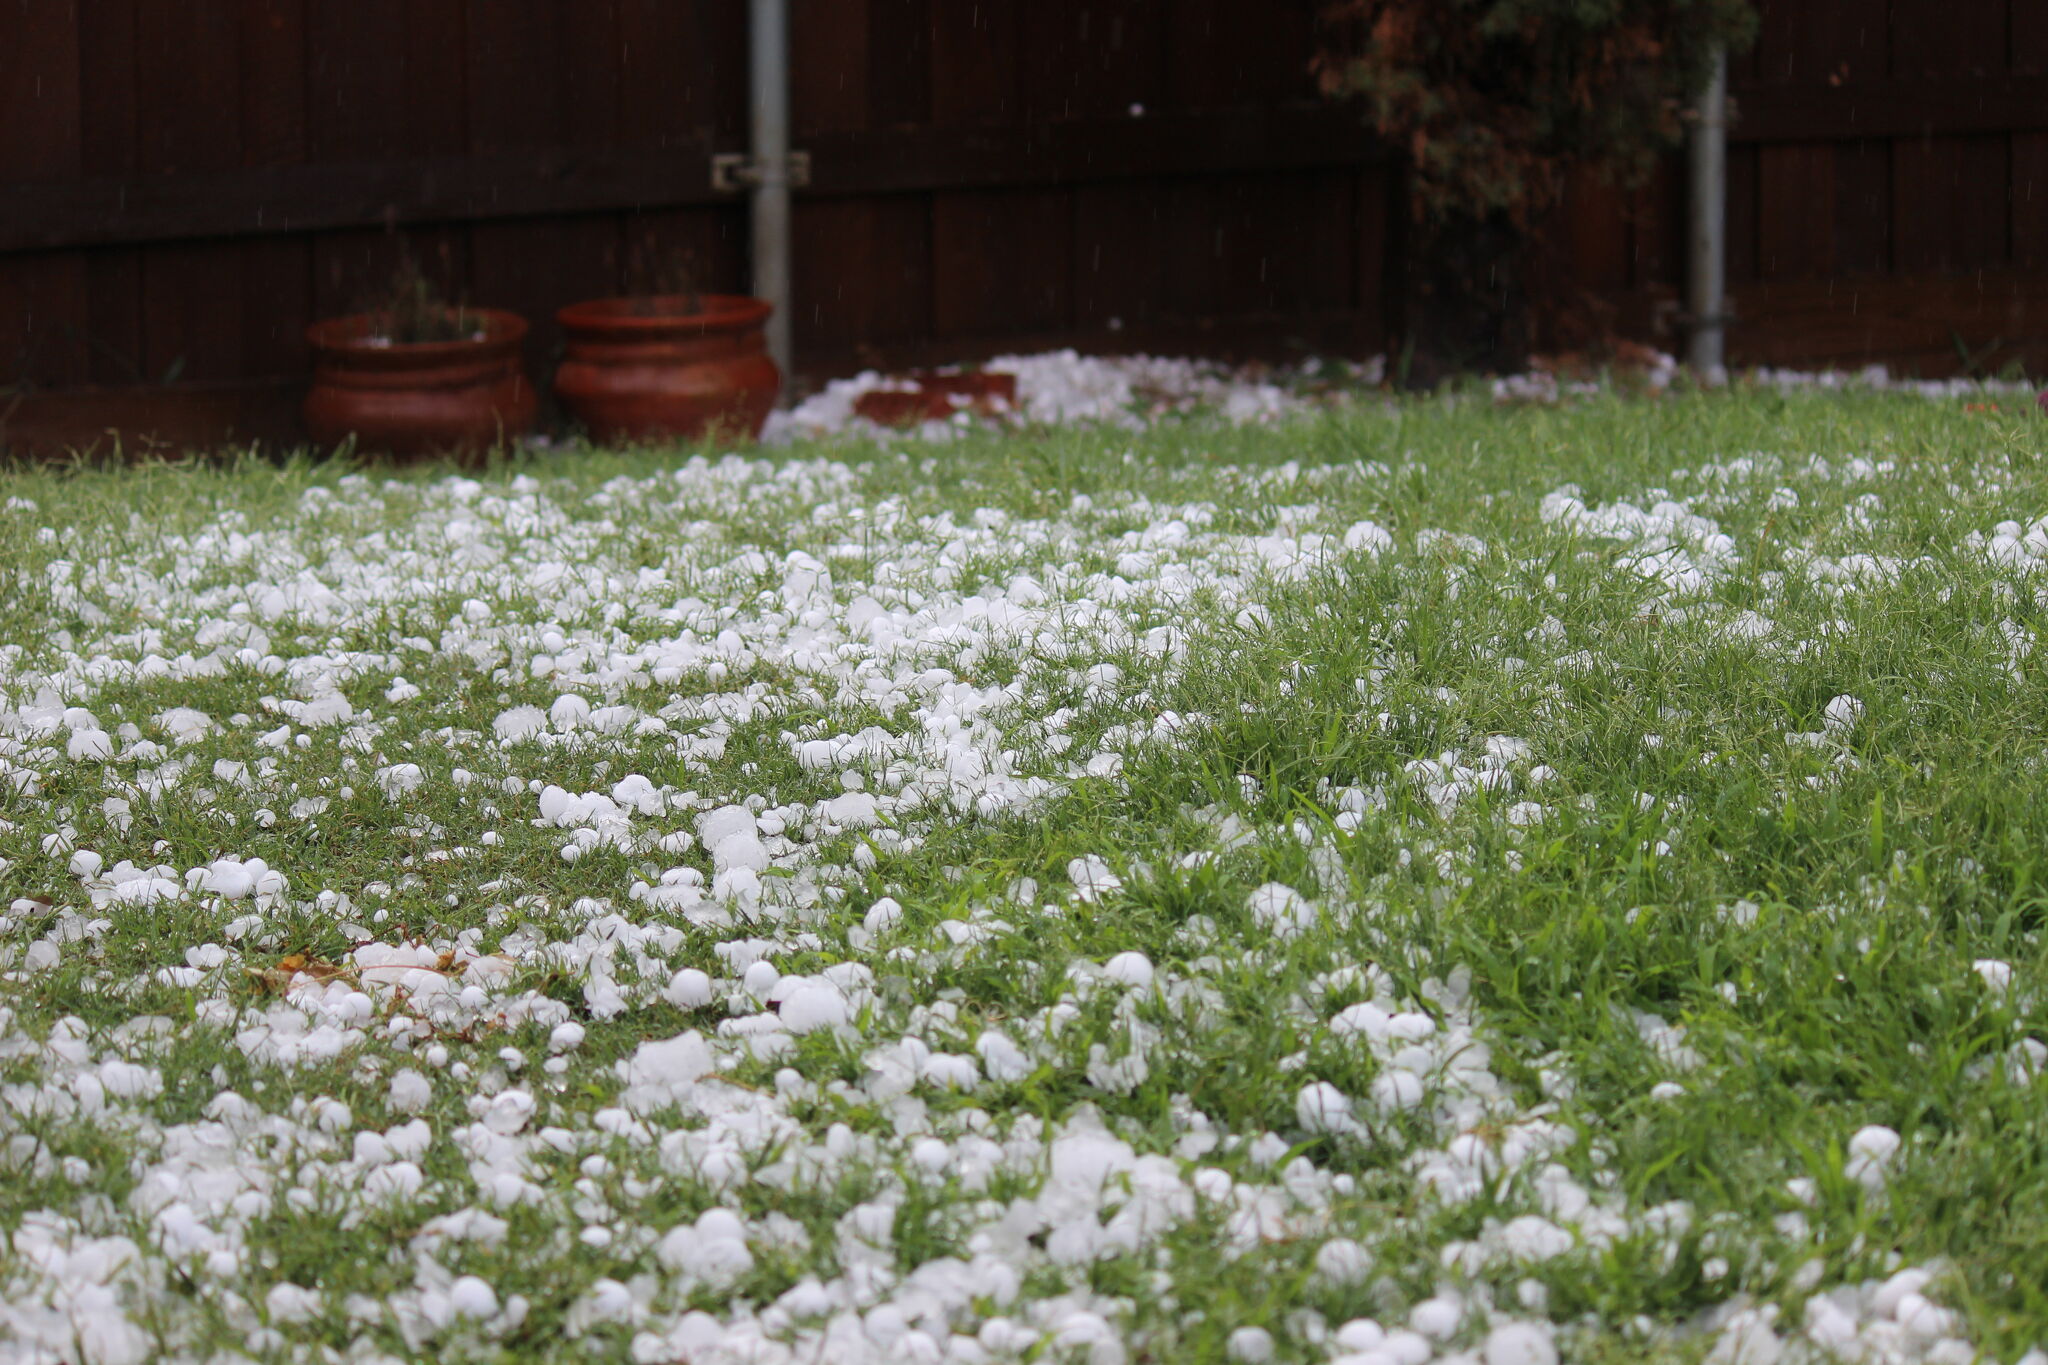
[(419, 398), (640, 369)]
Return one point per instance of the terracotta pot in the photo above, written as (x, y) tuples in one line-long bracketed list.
[(641, 369), (938, 396), (419, 398), (985, 391)]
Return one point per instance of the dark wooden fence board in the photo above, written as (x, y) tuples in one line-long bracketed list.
[(1658, 239), (1941, 39), (2030, 201), (1949, 203), (888, 300), (2029, 39), (900, 61), (1374, 228), (1002, 259), (1119, 264), (1863, 207), (39, 92), (829, 66), (43, 301), (1796, 209), (1223, 55), (1741, 227)]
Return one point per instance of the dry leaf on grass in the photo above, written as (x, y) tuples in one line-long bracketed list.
[(292, 965)]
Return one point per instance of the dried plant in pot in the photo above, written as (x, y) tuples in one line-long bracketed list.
[(414, 375), (666, 362)]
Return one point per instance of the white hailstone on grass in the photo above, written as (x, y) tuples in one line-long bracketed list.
[(1358, 1335), (1092, 878), (1885, 1303), (1324, 1109), (1252, 1345), (410, 1092), (1001, 1058), (1840, 715), (229, 878), (717, 825), (1282, 910), (89, 746), (884, 915), (1342, 1262), (1410, 1026), (713, 1249), (1368, 537), (1925, 1320), (1131, 969), (566, 1036), (1088, 1337), (287, 1302), (1871, 1150), (472, 1297), (399, 779), (569, 712), (689, 989), (329, 708), (1406, 1348), (952, 1071), (1437, 1318), (1365, 1020), (812, 1006), (1266, 1149), (739, 852), (1519, 1343), (1397, 1088), (638, 793), (760, 978), (184, 725), (395, 1183), (1748, 1338), (1996, 975), (85, 863), (520, 722), (853, 810)]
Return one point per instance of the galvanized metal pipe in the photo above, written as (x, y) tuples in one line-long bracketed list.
[(769, 99), (1707, 228)]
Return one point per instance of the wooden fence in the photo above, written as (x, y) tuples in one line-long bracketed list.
[(184, 184), (1888, 194)]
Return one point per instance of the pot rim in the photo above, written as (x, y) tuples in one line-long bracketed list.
[(615, 318), (348, 338)]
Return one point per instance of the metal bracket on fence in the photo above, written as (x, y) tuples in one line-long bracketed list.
[(732, 172)]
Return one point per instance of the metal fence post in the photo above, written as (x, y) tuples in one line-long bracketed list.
[(769, 99), (1707, 227)]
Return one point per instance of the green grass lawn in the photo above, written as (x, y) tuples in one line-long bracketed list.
[(1435, 881)]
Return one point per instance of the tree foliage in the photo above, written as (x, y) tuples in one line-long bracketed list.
[(1495, 100)]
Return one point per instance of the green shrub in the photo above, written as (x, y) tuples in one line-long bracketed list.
[(1494, 100)]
